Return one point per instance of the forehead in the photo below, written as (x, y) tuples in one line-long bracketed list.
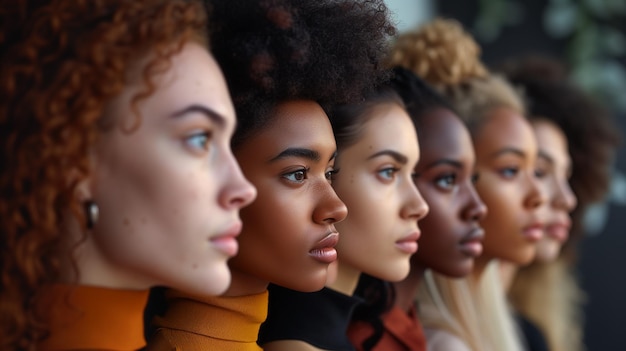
[(550, 138), (389, 125), (441, 131), (504, 128), (296, 123)]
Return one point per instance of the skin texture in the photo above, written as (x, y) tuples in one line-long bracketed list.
[(451, 233), (169, 191), (554, 167), (376, 183), (296, 207), (506, 152)]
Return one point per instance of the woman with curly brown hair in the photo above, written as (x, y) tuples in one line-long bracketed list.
[(471, 313), (117, 173), (577, 144), (283, 61)]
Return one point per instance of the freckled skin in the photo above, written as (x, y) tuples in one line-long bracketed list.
[(149, 175)]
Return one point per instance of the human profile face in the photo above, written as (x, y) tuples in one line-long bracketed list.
[(289, 232), (506, 152), (376, 183), (169, 191), (554, 167), (451, 232)]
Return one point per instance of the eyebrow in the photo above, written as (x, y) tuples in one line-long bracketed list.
[(509, 150), (445, 161), (546, 157), (211, 114), (400, 158), (301, 153)]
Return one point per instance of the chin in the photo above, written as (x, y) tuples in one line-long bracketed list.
[(314, 282), (547, 252)]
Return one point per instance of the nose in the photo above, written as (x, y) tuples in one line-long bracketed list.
[(565, 198), (330, 209), (415, 207), (536, 194), (475, 210), (237, 192)]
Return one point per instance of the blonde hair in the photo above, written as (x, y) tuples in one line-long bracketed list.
[(448, 58), (476, 311), (549, 296), (473, 308)]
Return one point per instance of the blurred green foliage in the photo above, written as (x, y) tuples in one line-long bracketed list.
[(595, 35)]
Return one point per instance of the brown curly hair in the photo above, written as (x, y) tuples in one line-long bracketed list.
[(592, 135), (328, 51), (448, 58), (62, 61)]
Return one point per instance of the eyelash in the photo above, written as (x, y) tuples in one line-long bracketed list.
[(391, 171), (303, 171), (204, 146), (446, 181), (475, 178), (504, 172), (330, 175)]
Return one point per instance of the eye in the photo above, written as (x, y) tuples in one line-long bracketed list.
[(198, 141), (475, 178), (330, 174), (508, 172), (297, 176), (540, 173), (446, 181), (388, 173)]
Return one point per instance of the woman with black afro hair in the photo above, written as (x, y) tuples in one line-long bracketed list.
[(283, 61)]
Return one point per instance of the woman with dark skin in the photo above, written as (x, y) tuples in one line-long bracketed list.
[(283, 60), (451, 233), (116, 168)]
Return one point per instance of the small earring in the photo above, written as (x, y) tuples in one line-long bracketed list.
[(92, 211)]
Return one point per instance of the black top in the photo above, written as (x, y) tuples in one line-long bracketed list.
[(533, 337), (320, 318)]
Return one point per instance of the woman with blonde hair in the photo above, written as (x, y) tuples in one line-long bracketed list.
[(471, 313)]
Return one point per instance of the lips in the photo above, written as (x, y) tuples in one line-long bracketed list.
[(324, 251), (533, 232), (227, 240), (558, 231), (472, 243), (408, 244)]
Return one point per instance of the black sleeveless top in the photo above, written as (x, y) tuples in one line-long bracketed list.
[(319, 318)]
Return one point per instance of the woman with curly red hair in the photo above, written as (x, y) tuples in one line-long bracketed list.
[(116, 169)]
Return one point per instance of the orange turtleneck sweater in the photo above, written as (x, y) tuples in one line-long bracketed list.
[(210, 323), (93, 318)]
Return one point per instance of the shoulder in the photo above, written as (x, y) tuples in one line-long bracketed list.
[(441, 340)]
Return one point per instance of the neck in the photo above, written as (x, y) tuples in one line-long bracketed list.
[(347, 279), (243, 284), (406, 290), (507, 273), (480, 264)]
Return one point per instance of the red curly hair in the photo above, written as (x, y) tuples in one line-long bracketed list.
[(62, 61)]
